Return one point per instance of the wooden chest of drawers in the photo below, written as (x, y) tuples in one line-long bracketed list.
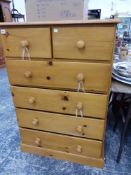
[(60, 75)]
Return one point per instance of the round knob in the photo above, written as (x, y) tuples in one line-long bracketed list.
[(79, 149), (37, 141), (28, 74), (79, 106), (79, 128), (24, 43), (35, 122), (80, 44), (31, 100), (80, 77)]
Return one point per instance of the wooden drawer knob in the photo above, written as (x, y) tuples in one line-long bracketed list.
[(79, 106), (24, 43), (80, 44), (32, 100), (28, 74), (79, 149), (35, 122), (37, 141), (80, 77), (79, 128)]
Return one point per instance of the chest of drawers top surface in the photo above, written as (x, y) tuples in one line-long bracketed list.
[(66, 22)]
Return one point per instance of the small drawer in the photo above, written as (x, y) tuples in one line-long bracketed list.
[(74, 145), (75, 103), (27, 43), (59, 123), (93, 77), (89, 43)]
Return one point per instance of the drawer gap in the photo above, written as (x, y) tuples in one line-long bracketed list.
[(63, 59), (62, 89)]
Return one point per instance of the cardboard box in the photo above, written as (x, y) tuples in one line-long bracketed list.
[(54, 10)]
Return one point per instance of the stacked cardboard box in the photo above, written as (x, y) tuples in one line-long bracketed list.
[(54, 10)]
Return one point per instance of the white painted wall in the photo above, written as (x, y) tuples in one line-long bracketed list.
[(105, 5), (20, 6)]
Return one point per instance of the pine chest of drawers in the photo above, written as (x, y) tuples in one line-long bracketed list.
[(60, 75)]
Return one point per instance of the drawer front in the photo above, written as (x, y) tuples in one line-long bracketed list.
[(89, 43), (93, 77), (59, 123), (22, 42), (85, 160), (83, 104), (62, 143)]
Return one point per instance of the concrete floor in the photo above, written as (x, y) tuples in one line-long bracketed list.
[(14, 162)]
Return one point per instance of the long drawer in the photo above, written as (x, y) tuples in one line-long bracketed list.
[(36, 40), (62, 143), (75, 103), (89, 43), (59, 123), (65, 75), (90, 161)]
